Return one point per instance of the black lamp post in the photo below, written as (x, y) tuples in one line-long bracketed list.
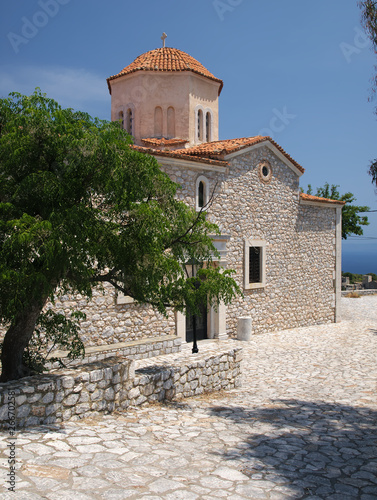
[(197, 285)]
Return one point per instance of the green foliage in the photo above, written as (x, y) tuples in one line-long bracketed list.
[(80, 207), (358, 278), (351, 220), (54, 331)]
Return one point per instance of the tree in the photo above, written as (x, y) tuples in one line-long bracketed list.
[(357, 278), (351, 221), (79, 207), (369, 20)]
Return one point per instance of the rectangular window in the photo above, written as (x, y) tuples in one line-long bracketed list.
[(254, 264)]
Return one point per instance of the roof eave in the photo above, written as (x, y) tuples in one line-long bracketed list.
[(321, 202)]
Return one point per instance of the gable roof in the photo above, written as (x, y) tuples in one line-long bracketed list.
[(166, 59), (214, 153), (218, 150)]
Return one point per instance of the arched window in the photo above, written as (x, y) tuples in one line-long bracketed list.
[(201, 193), (121, 118), (129, 121), (200, 125), (208, 126), (158, 122), (171, 122)]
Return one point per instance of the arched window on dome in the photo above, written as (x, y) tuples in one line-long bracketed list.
[(208, 127), (171, 122), (158, 121), (121, 118), (129, 121), (201, 193), (200, 125)]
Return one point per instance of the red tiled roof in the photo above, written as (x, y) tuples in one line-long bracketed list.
[(219, 149), (163, 142), (309, 197), (179, 153), (166, 59)]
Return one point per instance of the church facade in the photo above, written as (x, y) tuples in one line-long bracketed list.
[(285, 246)]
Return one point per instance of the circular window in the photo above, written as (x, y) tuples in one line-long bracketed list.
[(265, 171)]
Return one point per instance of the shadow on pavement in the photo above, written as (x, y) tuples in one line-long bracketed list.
[(310, 449)]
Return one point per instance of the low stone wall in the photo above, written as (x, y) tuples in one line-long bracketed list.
[(138, 349), (186, 375), (115, 383), (360, 292)]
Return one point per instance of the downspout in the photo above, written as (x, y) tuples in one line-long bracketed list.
[(338, 263)]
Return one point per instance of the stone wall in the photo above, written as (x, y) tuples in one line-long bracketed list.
[(138, 349), (300, 246), (114, 383), (359, 292), (109, 322), (300, 241)]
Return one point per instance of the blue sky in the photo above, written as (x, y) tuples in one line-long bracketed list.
[(299, 71)]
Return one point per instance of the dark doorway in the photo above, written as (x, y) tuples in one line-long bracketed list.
[(201, 325)]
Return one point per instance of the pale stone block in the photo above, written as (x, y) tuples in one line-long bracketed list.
[(59, 397), (78, 388), (82, 408), (48, 398), (134, 393), (20, 400), (28, 389), (44, 387), (71, 400), (52, 409), (84, 397), (23, 411), (96, 375), (109, 394)]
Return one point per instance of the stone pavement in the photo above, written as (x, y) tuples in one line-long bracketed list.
[(304, 425)]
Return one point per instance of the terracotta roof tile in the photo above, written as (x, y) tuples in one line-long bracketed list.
[(309, 197), (152, 141), (219, 149), (180, 154), (166, 59)]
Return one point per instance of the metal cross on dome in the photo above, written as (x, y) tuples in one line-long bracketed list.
[(163, 38)]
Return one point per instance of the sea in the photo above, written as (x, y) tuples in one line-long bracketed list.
[(359, 260)]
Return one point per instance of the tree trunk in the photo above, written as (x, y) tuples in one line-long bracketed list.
[(16, 340)]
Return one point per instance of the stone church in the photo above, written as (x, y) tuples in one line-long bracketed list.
[(284, 245)]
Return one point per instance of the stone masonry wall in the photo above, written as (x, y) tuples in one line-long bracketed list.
[(300, 258), (111, 384), (108, 322), (300, 242)]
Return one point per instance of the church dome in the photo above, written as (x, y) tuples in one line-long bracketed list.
[(166, 59)]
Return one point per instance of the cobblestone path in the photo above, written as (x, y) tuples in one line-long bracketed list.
[(303, 426)]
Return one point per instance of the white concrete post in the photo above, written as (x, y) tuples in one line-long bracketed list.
[(244, 329)]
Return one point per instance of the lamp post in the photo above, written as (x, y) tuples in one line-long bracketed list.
[(197, 285)]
